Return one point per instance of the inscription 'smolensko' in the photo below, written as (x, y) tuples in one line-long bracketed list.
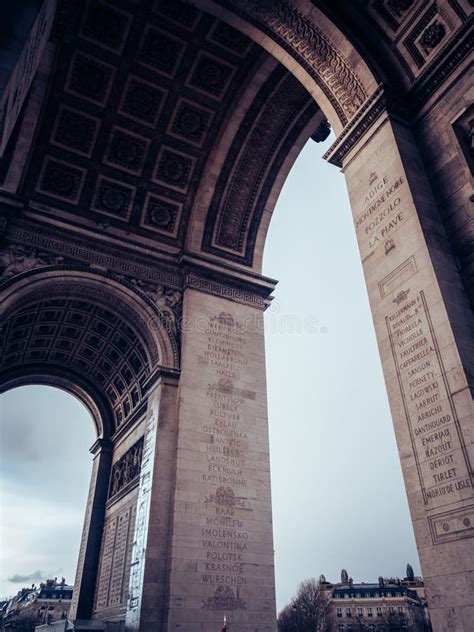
[(224, 537)]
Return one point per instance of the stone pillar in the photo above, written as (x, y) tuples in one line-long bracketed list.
[(89, 551), (423, 324), (148, 589), (221, 559)]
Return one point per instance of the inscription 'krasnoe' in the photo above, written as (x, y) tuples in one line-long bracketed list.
[(224, 535)]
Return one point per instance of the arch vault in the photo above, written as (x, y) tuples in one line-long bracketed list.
[(143, 147)]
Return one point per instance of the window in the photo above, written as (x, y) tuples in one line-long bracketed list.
[(377, 595), (349, 627), (390, 609), (371, 628), (379, 611), (359, 612), (340, 628), (400, 611), (369, 612), (346, 596), (348, 612), (339, 612)]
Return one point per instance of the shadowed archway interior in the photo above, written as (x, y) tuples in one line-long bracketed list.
[(82, 342)]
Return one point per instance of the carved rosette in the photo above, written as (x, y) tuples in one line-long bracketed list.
[(432, 36)]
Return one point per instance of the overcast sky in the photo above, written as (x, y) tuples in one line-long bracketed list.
[(338, 494)]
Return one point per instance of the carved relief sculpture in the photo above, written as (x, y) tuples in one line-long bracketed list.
[(127, 469)]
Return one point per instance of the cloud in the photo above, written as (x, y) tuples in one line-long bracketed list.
[(22, 579)]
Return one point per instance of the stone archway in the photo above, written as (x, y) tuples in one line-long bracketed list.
[(104, 340), (164, 136)]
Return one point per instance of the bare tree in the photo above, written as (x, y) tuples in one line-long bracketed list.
[(287, 619), (307, 612)]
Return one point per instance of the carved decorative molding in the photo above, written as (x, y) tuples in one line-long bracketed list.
[(300, 37), (275, 121), (225, 497), (240, 293), (224, 598), (17, 258), (168, 300), (442, 65), (432, 36), (88, 252), (246, 178), (372, 109), (382, 99)]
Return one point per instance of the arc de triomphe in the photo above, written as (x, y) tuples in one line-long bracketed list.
[(143, 147)]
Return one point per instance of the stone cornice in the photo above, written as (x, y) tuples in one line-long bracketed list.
[(229, 287), (160, 372), (57, 250), (130, 423), (101, 445), (367, 115), (94, 254)]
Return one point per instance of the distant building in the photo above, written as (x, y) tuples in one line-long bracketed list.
[(77, 626), (45, 605), (57, 626), (391, 604)]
